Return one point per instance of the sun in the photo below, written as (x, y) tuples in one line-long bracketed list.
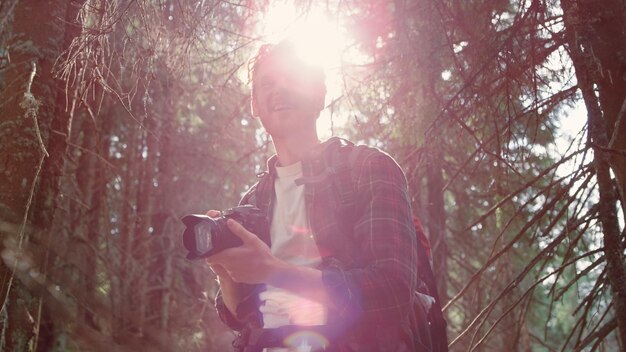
[(320, 38)]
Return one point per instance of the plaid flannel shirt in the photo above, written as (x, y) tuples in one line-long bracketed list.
[(370, 273)]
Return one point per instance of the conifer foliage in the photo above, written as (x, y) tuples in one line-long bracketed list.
[(118, 117)]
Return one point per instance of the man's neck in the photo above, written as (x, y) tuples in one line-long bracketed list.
[(294, 148)]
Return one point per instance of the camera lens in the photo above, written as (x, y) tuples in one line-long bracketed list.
[(205, 236), (199, 235), (203, 233)]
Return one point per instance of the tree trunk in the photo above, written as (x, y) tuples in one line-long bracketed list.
[(601, 119), (602, 32), (437, 224), (91, 183), (33, 105)]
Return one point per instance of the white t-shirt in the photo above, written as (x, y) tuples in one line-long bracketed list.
[(292, 241)]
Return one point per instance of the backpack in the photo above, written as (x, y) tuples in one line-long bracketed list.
[(341, 157)]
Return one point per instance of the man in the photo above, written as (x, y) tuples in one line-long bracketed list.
[(313, 283)]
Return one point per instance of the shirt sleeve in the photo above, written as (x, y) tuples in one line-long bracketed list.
[(380, 289), (248, 308), (225, 315)]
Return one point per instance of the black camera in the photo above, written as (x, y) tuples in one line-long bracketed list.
[(205, 236)]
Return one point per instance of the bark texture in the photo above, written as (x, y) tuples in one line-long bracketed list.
[(595, 66)]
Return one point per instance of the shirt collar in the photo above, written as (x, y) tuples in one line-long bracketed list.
[(312, 163)]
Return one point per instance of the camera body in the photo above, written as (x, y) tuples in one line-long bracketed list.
[(205, 236)]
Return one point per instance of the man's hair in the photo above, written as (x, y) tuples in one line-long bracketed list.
[(286, 50)]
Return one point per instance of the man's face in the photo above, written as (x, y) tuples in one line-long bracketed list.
[(286, 96)]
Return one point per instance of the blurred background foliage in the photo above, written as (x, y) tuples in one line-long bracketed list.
[(119, 117)]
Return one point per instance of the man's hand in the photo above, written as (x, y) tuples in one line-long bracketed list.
[(250, 263), (231, 292), (253, 263)]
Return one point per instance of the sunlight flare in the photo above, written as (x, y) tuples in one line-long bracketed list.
[(321, 39)]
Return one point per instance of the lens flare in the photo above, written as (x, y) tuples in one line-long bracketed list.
[(318, 38), (306, 341), (324, 38)]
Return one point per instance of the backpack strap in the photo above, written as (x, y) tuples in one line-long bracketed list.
[(342, 160), (438, 323)]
